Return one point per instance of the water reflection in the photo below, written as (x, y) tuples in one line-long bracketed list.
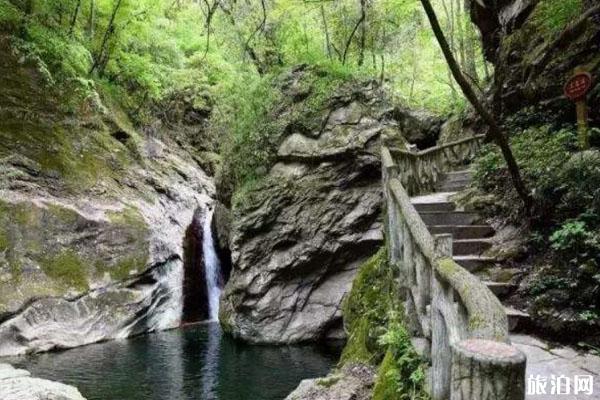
[(210, 371), (196, 363)]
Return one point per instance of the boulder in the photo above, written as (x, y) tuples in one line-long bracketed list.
[(353, 382), (300, 234), (18, 384)]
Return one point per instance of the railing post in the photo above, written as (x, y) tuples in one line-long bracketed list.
[(441, 359), (487, 370)]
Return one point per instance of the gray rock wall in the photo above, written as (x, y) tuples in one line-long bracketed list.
[(92, 217), (299, 236)]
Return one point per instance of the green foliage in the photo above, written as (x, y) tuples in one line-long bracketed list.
[(542, 153), (401, 375), (250, 134), (565, 185), (366, 310), (377, 335), (10, 16), (155, 48), (551, 16), (571, 235)]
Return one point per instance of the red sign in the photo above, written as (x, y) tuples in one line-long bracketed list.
[(578, 86)]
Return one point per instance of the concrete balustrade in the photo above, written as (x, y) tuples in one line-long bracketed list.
[(464, 323)]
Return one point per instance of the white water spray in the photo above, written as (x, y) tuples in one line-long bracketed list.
[(212, 268)]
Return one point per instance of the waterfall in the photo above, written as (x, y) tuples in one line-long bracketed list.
[(212, 268)]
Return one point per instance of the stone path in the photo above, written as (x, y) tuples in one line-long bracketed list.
[(546, 361)]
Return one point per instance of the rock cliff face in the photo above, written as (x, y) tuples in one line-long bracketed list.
[(92, 216), (535, 46), (299, 235)]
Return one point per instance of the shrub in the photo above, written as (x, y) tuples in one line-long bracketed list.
[(542, 155), (401, 374), (580, 181)]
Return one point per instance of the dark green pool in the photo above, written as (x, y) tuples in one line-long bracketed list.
[(194, 363)]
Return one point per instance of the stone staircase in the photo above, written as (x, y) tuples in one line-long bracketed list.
[(472, 237)]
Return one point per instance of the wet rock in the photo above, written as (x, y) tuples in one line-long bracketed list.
[(18, 384), (353, 382)]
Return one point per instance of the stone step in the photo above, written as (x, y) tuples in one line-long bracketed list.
[(474, 263), (463, 247), (441, 206), (463, 231), (453, 176), (446, 186), (517, 320), (449, 217), (501, 290)]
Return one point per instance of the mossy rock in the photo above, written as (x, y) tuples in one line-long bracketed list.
[(366, 310), (66, 268), (386, 387), (374, 318), (356, 349), (61, 250)]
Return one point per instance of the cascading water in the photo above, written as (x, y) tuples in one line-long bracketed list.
[(212, 268)]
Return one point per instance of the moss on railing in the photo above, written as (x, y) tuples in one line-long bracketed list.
[(487, 319)]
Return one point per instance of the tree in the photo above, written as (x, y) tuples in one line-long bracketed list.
[(494, 128), (101, 57)]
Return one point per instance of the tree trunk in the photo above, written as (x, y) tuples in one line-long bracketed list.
[(461, 35), (382, 74), (495, 130), (92, 18), (249, 50), (75, 16), (363, 33), (358, 23), (109, 31), (470, 47), (326, 29)]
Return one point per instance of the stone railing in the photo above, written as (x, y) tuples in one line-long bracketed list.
[(421, 170), (462, 325)]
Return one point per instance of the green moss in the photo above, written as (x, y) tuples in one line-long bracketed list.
[(67, 268), (62, 214), (386, 387), (128, 217), (4, 242), (328, 381), (356, 349), (367, 308), (123, 268), (374, 318)]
